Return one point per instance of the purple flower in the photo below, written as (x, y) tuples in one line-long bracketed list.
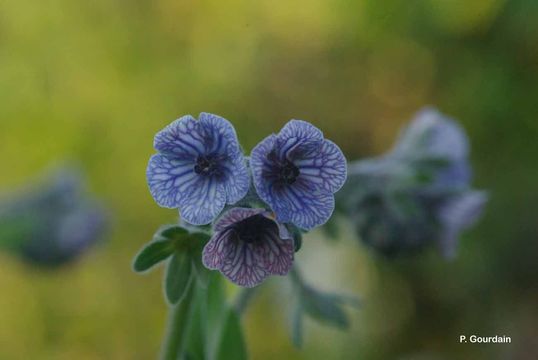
[(297, 172), (248, 246), (199, 168)]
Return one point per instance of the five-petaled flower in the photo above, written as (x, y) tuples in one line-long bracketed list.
[(248, 245), (199, 168), (297, 172)]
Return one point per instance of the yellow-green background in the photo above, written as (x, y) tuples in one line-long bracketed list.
[(92, 81)]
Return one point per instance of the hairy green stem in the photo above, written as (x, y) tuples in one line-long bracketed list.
[(178, 324)]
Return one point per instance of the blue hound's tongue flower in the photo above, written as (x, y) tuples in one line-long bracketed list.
[(199, 167), (297, 173), (419, 192), (434, 136), (68, 237), (248, 246), (54, 223), (457, 214)]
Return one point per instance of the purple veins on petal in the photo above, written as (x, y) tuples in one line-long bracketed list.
[(199, 168), (248, 246), (297, 172)]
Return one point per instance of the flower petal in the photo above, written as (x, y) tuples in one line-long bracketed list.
[(456, 175), (237, 180), (235, 215), (457, 215), (214, 251), (222, 139), (220, 135), (203, 202), (242, 264), (324, 169), (259, 165), (168, 179), (301, 129), (247, 247), (277, 253), (297, 138), (302, 205), (184, 138), (283, 231), (433, 134)]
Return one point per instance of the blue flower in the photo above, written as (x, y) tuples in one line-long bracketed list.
[(297, 172), (66, 237), (249, 245), (391, 232), (199, 168), (417, 194), (457, 214), (434, 136), (54, 223)]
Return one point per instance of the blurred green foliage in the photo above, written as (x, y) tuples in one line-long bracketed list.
[(92, 81)]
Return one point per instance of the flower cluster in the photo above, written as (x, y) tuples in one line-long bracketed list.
[(54, 223), (200, 168), (418, 193)]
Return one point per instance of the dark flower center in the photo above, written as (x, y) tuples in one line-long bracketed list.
[(207, 165), (253, 229), (288, 172)]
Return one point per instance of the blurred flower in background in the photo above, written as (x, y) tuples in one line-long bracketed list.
[(419, 193), (53, 223)]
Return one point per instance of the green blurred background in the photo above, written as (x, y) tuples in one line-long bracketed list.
[(93, 81)]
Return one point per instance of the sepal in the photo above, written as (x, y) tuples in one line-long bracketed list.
[(184, 247), (297, 235), (178, 277), (152, 254)]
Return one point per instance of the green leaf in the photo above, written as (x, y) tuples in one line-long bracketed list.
[(178, 276), (172, 232), (152, 254), (326, 308), (183, 238), (232, 343)]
